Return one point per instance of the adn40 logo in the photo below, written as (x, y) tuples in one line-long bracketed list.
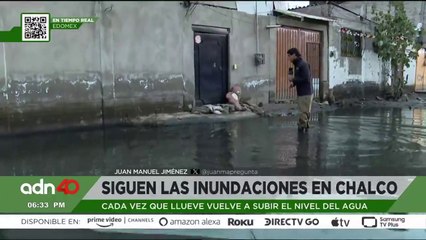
[(67, 186)]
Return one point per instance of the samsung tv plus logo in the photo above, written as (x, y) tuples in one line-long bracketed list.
[(67, 186)]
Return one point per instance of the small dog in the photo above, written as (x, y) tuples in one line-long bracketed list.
[(233, 97)]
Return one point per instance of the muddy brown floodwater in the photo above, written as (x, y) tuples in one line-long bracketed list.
[(373, 141)]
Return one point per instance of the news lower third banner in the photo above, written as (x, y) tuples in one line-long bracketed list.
[(211, 195)]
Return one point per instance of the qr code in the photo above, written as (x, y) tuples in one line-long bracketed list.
[(35, 28)]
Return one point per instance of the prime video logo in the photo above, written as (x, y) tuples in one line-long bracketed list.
[(67, 186)]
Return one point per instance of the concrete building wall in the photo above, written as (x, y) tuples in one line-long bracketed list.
[(369, 68), (45, 82), (136, 60)]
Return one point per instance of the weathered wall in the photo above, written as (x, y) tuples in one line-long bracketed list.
[(143, 58), (342, 69), (355, 77), (136, 60), (56, 83)]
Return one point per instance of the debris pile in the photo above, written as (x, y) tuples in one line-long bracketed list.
[(227, 109)]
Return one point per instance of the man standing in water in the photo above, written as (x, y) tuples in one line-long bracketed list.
[(303, 83)]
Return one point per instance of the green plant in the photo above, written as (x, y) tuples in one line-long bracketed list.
[(396, 40)]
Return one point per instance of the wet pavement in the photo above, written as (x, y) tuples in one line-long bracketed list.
[(357, 142)]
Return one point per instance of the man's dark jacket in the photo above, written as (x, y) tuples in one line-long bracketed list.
[(302, 77)]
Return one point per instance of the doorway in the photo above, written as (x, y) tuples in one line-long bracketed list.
[(420, 81), (210, 65), (313, 58), (309, 44)]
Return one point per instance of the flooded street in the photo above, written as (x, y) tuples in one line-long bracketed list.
[(346, 142), (353, 142)]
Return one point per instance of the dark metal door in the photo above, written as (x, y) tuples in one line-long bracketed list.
[(211, 67)]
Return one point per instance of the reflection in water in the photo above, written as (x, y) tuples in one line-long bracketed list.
[(345, 142), (214, 147), (302, 155), (356, 142), (352, 143), (419, 117)]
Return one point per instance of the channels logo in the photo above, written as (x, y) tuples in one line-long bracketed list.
[(240, 222), (140, 220), (67, 186), (369, 222), (163, 221), (340, 222)]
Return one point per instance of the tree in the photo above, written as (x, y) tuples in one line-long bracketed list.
[(396, 41)]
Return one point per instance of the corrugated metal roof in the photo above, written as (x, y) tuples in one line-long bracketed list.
[(316, 3), (303, 15), (310, 5)]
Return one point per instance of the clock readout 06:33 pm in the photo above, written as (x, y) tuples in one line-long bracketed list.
[(35, 205)]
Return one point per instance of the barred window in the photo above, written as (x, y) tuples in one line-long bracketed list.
[(351, 43)]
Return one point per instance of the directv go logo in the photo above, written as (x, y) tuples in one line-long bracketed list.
[(67, 186)]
